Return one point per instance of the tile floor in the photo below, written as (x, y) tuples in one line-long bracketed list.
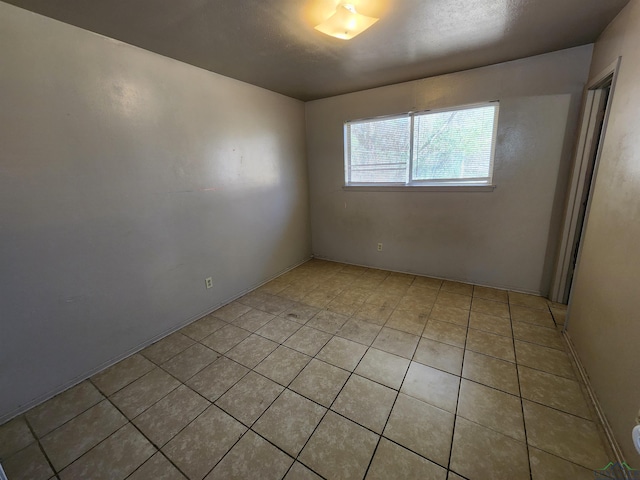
[(330, 371)]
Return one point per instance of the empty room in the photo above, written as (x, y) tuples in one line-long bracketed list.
[(381, 239)]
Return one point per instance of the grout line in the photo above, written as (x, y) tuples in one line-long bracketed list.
[(524, 422), (37, 440)]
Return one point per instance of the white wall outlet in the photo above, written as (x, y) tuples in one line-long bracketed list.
[(379, 247), (208, 282)]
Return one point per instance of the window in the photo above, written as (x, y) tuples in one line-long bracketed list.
[(445, 147)]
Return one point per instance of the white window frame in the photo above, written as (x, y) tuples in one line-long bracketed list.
[(457, 184)]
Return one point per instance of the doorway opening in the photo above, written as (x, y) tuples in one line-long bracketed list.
[(592, 131)]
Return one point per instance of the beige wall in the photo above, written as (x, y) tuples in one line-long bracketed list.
[(126, 178), (604, 310), (505, 238)]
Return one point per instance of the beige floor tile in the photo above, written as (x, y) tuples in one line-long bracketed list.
[(283, 365), (253, 320), (217, 378), (233, 310), (393, 461), (433, 283), (74, 438), (318, 298), (161, 422), (480, 453), (346, 309), (564, 435), (394, 341), (491, 324), (252, 458), (359, 331), (383, 367), (409, 322), (491, 371), (339, 448), (300, 472), (63, 407), (545, 359), (342, 353), (491, 408), (121, 374), (275, 305), (454, 476), (491, 344), (526, 300), (448, 299), (383, 298), (417, 303), (225, 339), (439, 355), (300, 313), (548, 337), (320, 382), (144, 392), (295, 292), (249, 398), (423, 292), (422, 428), (157, 468), (553, 391), (446, 333), (492, 294), (308, 340), (365, 402), (279, 329), (114, 459), (432, 386), (559, 316), (186, 364), (203, 327), (459, 316), (274, 286), (457, 287), (27, 464), (197, 448), (354, 295), (531, 315), (329, 322), (252, 350), (488, 307), (290, 421), (14, 436), (168, 347), (375, 314), (545, 466)]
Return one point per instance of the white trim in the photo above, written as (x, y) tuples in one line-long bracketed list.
[(420, 188), (3, 476), (608, 431), (577, 183)]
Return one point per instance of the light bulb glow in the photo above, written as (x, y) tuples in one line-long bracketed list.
[(346, 23)]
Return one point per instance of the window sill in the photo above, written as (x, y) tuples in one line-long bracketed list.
[(419, 188)]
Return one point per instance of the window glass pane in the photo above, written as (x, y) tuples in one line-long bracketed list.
[(378, 150), (453, 145)]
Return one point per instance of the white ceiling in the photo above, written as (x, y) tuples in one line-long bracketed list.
[(272, 43)]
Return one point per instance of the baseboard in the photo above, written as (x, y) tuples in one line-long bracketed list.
[(608, 431), (81, 378), (451, 279)]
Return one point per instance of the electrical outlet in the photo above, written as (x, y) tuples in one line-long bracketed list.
[(208, 282), (379, 247)]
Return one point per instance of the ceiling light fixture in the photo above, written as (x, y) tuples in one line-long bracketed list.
[(346, 23)]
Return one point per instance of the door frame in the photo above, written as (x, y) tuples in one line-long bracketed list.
[(578, 183)]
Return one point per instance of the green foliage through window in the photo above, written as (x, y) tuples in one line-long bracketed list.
[(442, 147)]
